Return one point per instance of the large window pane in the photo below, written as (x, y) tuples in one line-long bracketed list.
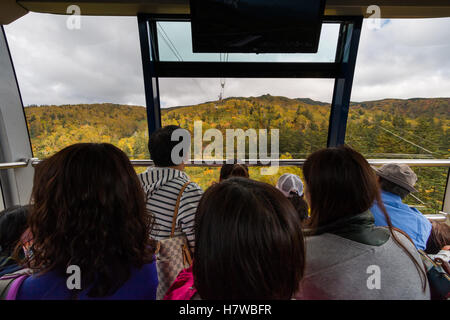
[(401, 97), (298, 108), (283, 104), (80, 85), (175, 44)]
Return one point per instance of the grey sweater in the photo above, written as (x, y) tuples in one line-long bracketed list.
[(342, 269)]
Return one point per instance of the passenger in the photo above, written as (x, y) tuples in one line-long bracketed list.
[(163, 183), (89, 211), (439, 238), (347, 257), (396, 182), (249, 243), (292, 187), (233, 170), (13, 223)]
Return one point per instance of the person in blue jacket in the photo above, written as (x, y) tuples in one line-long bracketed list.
[(396, 182)]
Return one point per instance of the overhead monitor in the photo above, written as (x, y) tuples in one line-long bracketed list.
[(256, 26)]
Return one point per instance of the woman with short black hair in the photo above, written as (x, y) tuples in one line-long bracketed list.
[(249, 243)]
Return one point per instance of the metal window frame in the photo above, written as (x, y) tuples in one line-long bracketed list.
[(341, 70), (15, 143)]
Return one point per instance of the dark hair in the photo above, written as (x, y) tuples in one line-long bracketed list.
[(391, 187), (89, 210), (439, 237), (160, 146), (299, 204), (233, 170), (13, 223), (249, 243), (341, 183)]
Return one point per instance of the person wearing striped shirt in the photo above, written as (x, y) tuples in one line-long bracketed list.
[(162, 185)]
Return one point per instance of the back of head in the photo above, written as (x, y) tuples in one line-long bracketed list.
[(292, 187), (290, 183), (89, 210), (233, 170), (160, 146), (391, 187), (439, 237), (249, 243), (397, 178), (340, 183), (13, 223)]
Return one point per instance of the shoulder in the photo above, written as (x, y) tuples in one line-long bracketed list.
[(328, 249), (141, 285), (193, 187), (45, 286), (143, 177)]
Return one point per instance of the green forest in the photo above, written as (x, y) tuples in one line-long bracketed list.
[(389, 128)]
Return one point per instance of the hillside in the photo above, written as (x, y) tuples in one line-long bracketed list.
[(387, 128)]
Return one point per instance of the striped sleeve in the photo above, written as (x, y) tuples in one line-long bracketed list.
[(186, 214)]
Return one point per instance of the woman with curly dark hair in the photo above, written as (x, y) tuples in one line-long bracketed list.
[(88, 211)]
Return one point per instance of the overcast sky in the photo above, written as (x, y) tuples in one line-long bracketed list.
[(101, 62)]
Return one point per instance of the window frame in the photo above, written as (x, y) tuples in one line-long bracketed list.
[(341, 70)]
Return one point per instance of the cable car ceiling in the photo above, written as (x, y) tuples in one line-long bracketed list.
[(11, 10)]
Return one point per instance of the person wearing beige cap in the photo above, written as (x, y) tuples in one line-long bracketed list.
[(396, 182)]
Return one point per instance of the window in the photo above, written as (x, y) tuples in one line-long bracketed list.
[(298, 108), (401, 100), (80, 85), (175, 44)]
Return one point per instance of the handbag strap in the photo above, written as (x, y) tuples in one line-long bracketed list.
[(177, 206), (405, 234)]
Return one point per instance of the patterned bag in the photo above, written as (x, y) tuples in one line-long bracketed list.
[(10, 283), (172, 255)]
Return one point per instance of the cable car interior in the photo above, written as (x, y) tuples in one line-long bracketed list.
[(168, 60), (169, 66), (288, 79)]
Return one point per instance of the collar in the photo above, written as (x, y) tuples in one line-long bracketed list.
[(390, 196), (359, 228)]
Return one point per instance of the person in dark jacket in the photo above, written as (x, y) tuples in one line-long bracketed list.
[(13, 223)]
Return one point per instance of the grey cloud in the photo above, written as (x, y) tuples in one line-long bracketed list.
[(102, 63)]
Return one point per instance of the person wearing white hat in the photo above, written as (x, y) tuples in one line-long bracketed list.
[(292, 187), (396, 182)]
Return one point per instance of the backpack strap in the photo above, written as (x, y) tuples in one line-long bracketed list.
[(10, 284), (177, 206)]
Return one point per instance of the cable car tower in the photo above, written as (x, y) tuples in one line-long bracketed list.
[(223, 58)]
